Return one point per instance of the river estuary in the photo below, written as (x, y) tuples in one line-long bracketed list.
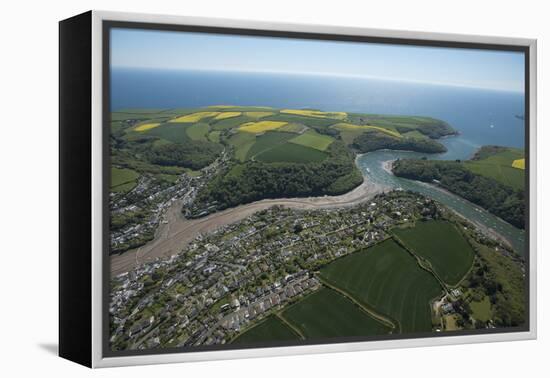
[(372, 165)]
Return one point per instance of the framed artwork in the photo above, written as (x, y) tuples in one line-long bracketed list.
[(234, 189)]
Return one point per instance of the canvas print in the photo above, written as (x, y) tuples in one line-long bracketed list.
[(269, 191)]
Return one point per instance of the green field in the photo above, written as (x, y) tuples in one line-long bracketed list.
[(481, 310), (314, 140), (442, 245), (387, 278), (304, 120), (291, 153), (399, 123), (271, 329), (267, 141), (276, 146), (230, 123), (326, 313), (366, 128), (293, 128), (349, 135), (407, 127), (142, 114), (414, 134), (242, 143), (123, 180), (198, 131), (498, 165), (173, 132), (214, 136)]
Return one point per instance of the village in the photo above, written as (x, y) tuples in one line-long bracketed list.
[(226, 281), (136, 215)]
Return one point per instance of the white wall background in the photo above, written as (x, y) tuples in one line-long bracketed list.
[(28, 156)]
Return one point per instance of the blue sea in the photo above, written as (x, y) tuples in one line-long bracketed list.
[(481, 116)]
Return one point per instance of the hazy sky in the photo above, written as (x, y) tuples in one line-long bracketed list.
[(183, 51)]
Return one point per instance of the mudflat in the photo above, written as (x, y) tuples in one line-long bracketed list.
[(178, 232)]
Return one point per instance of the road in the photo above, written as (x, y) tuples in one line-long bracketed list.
[(176, 234)]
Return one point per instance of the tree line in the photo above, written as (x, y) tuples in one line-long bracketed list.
[(497, 198), (376, 140), (255, 180)]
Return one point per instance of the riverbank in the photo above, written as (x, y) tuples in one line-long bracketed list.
[(487, 231), (173, 236), (387, 166)]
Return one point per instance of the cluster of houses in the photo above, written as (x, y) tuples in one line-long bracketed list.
[(276, 298), (150, 199), (229, 278), (194, 209)]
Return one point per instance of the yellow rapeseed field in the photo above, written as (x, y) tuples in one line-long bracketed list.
[(194, 117), (315, 113), (258, 114), (146, 126), (260, 127), (350, 126), (225, 115), (519, 163)]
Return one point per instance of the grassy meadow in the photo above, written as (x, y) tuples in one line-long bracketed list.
[(123, 180), (326, 313), (442, 245), (314, 140), (506, 165), (387, 278), (270, 329)]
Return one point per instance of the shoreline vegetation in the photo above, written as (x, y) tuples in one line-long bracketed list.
[(483, 180), (489, 232), (379, 141), (255, 180)]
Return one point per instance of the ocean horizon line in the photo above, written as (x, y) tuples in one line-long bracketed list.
[(318, 74)]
